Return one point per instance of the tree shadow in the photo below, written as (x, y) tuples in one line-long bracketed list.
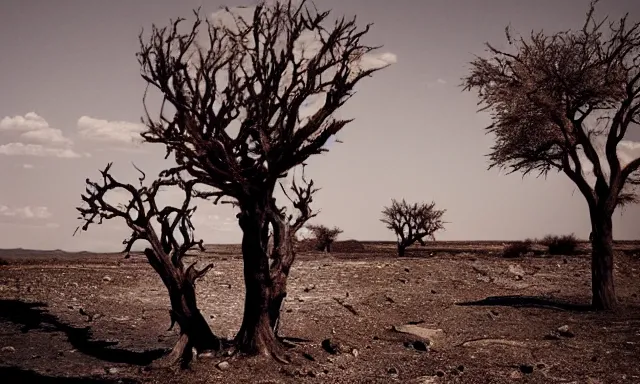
[(18, 375), (33, 316), (528, 302)]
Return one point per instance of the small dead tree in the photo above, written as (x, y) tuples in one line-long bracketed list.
[(236, 125), (412, 222), (165, 251), (565, 102), (324, 236)]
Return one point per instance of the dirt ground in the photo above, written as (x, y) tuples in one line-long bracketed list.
[(84, 318)]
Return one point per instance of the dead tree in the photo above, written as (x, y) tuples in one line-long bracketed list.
[(324, 236), (557, 100), (165, 252), (236, 125), (412, 222)]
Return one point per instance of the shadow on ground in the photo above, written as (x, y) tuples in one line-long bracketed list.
[(34, 316), (528, 302), (11, 375)]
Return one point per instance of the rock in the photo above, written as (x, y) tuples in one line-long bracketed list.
[(106, 278), (8, 348), (433, 291), (335, 347), (564, 331), (393, 371), (223, 365), (308, 356), (484, 279), (355, 352), (526, 368), (112, 370), (206, 355), (487, 342), (517, 271), (440, 373), (430, 335), (516, 375), (425, 380)]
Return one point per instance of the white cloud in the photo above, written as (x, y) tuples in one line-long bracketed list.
[(34, 128), (27, 166), (628, 151), (441, 81), (122, 132), (20, 149), (27, 212), (29, 122), (374, 61)]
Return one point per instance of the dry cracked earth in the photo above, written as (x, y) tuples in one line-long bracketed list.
[(446, 314)]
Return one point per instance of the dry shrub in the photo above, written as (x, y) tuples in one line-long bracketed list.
[(561, 245), (517, 249)]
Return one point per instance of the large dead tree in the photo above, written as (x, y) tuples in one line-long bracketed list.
[(168, 242), (412, 222), (236, 94), (565, 102)]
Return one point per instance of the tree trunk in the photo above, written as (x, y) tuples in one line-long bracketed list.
[(602, 282), (328, 248), (194, 329), (401, 248), (256, 334)]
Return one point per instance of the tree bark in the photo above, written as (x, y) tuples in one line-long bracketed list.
[(401, 249), (256, 334), (602, 280), (194, 329)]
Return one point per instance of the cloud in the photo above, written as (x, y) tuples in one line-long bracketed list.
[(441, 81), (29, 122), (20, 149), (122, 132), (628, 151), (28, 212), (374, 61), (27, 166), (34, 128)]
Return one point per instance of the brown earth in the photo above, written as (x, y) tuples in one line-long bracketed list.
[(100, 318)]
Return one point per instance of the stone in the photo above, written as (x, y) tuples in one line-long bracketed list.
[(517, 271), (8, 348), (106, 278), (565, 332), (112, 370), (430, 335), (223, 365), (393, 371)]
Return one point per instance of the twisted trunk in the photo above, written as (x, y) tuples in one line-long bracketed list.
[(602, 280), (194, 329)]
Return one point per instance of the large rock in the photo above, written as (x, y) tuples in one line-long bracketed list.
[(433, 336)]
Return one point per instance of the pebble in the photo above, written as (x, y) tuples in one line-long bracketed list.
[(223, 366), (8, 349)]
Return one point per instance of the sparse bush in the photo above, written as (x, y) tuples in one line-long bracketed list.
[(517, 249), (561, 245), (324, 236)]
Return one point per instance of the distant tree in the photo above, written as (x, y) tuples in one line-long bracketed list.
[(235, 124), (169, 234), (557, 100), (412, 222), (324, 236)]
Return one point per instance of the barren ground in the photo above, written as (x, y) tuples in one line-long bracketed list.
[(44, 338)]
